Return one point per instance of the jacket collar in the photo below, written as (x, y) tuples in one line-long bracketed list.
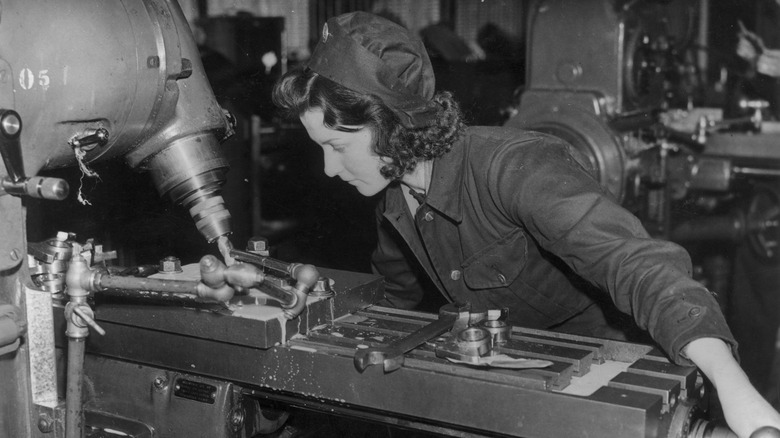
[(445, 189)]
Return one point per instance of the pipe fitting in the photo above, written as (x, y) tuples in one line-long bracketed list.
[(223, 294), (306, 277), (244, 275), (212, 271)]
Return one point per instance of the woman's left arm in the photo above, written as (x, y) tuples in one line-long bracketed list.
[(744, 408)]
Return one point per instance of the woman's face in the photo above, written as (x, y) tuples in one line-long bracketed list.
[(348, 155)]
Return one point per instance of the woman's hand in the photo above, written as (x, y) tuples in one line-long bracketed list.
[(744, 408)]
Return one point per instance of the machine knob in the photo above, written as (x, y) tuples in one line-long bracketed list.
[(11, 124), (11, 129)]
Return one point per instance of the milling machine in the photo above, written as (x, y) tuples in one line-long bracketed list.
[(226, 350), (104, 80)]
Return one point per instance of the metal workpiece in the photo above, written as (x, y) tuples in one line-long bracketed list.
[(499, 330), (467, 345)]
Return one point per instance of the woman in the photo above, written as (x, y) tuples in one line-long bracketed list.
[(494, 216)]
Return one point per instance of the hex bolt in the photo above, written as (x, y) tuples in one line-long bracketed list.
[(258, 245), (45, 423), (170, 265), (237, 417), (160, 383)]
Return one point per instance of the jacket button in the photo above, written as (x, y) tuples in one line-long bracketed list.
[(501, 278), (428, 216), (694, 312), (455, 275)]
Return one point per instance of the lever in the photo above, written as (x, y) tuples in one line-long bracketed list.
[(11, 149), (391, 356)]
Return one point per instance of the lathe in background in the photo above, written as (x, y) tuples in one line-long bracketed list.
[(673, 131)]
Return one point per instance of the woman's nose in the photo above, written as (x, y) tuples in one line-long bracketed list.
[(332, 163)]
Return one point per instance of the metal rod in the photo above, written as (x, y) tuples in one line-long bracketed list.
[(264, 262), (74, 411), (756, 171), (148, 284), (278, 293)]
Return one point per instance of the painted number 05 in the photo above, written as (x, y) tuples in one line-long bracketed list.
[(28, 79)]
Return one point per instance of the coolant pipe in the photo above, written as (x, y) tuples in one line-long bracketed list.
[(74, 410), (217, 281), (214, 284), (79, 317), (305, 277)]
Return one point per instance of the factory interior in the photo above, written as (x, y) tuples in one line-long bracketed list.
[(680, 128)]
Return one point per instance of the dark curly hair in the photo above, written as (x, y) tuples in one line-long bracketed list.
[(300, 90)]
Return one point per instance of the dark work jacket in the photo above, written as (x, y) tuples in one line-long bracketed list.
[(512, 220)]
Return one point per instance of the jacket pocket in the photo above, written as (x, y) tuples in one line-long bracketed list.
[(498, 264)]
